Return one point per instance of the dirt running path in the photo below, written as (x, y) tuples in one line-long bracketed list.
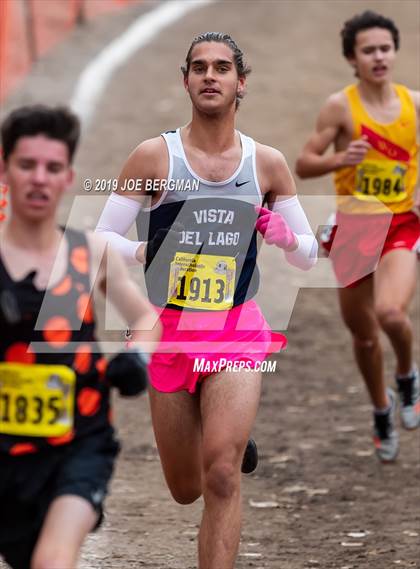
[(332, 505)]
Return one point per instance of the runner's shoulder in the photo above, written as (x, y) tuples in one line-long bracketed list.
[(150, 148), (148, 160), (416, 98), (333, 117), (269, 157), (335, 108), (273, 171)]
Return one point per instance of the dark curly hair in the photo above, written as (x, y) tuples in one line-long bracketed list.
[(366, 21), (57, 123)]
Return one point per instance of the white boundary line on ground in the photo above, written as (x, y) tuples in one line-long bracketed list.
[(96, 75)]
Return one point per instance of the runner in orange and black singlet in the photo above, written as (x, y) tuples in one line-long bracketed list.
[(57, 444), (74, 380), (49, 400)]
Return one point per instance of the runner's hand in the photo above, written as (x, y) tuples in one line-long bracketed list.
[(356, 152), (275, 230), (165, 241), (127, 371)]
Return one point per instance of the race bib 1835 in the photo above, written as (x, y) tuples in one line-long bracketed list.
[(36, 400), (381, 179), (202, 281)]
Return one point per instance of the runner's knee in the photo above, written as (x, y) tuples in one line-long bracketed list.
[(391, 317), (185, 493), (221, 478), (365, 337), (360, 324), (368, 342), (184, 482)]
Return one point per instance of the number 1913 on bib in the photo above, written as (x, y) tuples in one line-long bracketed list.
[(202, 281)]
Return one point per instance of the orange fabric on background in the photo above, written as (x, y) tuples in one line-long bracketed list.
[(52, 22)]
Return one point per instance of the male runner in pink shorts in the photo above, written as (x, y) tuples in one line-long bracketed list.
[(200, 257)]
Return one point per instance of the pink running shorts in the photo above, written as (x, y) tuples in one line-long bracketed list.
[(240, 334)]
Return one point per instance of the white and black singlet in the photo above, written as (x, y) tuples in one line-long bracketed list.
[(212, 263)]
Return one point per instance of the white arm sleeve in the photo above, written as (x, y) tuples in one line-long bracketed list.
[(305, 256), (116, 219)]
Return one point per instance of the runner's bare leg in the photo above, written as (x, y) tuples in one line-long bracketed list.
[(177, 426), (68, 521), (395, 284), (357, 309), (229, 403)]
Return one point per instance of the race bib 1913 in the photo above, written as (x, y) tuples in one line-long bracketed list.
[(202, 281)]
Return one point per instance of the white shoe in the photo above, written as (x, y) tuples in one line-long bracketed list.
[(385, 436), (409, 392)]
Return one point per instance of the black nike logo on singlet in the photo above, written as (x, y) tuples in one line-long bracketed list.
[(239, 184)]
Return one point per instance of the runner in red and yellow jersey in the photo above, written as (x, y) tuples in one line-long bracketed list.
[(373, 126)]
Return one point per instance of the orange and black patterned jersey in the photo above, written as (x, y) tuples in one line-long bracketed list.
[(52, 386)]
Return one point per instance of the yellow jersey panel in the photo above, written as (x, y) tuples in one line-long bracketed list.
[(387, 176)]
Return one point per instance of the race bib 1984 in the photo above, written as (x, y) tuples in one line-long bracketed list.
[(381, 179)]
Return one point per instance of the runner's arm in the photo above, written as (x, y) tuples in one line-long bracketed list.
[(114, 282), (117, 217), (287, 226), (313, 161), (121, 210), (416, 99)]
